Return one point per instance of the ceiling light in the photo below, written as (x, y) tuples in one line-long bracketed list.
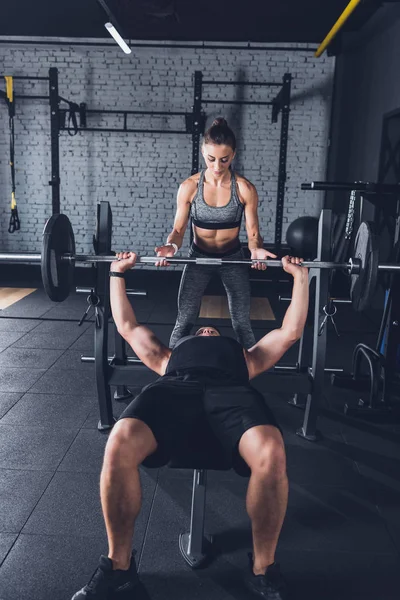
[(112, 31)]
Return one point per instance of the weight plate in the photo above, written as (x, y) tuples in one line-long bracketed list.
[(363, 285), (57, 275)]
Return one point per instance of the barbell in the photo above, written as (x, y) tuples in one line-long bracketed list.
[(58, 260)]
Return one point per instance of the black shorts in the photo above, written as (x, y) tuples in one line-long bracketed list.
[(198, 424)]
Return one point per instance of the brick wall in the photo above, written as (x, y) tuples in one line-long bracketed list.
[(139, 174)]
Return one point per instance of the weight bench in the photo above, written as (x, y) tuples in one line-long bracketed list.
[(195, 545)]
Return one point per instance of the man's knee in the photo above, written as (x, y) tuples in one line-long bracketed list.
[(130, 441), (263, 449), (272, 460)]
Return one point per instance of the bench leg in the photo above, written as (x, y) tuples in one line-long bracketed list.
[(195, 546)]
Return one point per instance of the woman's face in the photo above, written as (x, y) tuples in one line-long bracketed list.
[(218, 158)]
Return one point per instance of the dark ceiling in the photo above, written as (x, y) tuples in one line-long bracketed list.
[(274, 21)]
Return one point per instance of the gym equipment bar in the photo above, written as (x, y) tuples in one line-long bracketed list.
[(30, 78), (88, 290), (54, 100), (352, 5), (303, 47), (334, 300), (352, 186), (352, 267), (135, 112), (296, 368), (23, 97), (129, 359), (238, 102), (259, 83), (122, 130)]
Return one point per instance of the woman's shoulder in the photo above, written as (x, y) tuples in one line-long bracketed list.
[(188, 188), (191, 182), (245, 188), (243, 183)]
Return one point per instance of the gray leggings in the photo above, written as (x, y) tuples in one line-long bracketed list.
[(193, 284)]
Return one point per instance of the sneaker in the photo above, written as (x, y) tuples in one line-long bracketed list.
[(106, 582), (271, 585)]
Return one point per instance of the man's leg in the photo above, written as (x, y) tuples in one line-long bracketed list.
[(263, 450), (130, 442)]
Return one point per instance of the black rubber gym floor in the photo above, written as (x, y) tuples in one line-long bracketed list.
[(341, 536)]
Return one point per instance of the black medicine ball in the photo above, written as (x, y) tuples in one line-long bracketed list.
[(302, 237)]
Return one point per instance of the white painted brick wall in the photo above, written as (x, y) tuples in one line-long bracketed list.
[(139, 174)]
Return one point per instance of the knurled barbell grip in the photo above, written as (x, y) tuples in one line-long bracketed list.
[(209, 261)]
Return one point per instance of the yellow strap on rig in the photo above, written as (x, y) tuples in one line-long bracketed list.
[(9, 88)]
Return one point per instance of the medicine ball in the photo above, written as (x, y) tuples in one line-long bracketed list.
[(302, 237)]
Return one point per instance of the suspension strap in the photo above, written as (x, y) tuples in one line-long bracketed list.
[(14, 224)]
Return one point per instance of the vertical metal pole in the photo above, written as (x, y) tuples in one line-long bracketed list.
[(102, 368), (197, 127), (309, 428), (198, 510), (300, 398), (198, 89), (285, 109), (391, 348), (120, 358), (55, 142), (195, 545)]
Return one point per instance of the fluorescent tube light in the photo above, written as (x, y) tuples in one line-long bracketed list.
[(114, 33)]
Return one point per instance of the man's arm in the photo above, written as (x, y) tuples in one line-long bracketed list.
[(140, 338), (266, 353)]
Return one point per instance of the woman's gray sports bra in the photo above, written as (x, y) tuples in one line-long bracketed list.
[(216, 217)]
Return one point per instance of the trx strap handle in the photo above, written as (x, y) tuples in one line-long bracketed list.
[(73, 109), (14, 224)]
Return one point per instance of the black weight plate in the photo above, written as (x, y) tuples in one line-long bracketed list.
[(57, 275), (363, 285)]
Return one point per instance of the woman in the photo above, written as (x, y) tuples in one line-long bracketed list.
[(216, 199)]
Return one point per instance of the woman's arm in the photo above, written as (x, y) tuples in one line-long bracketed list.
[(249, 196), (183, 202), (186, 192)]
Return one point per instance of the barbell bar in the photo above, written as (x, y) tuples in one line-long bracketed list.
[(351, 267), (58, 259)]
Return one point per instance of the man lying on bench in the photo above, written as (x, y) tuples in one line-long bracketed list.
[(203, 390)]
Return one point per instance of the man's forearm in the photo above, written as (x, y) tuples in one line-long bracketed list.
[(296, 315), (121, 308)]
